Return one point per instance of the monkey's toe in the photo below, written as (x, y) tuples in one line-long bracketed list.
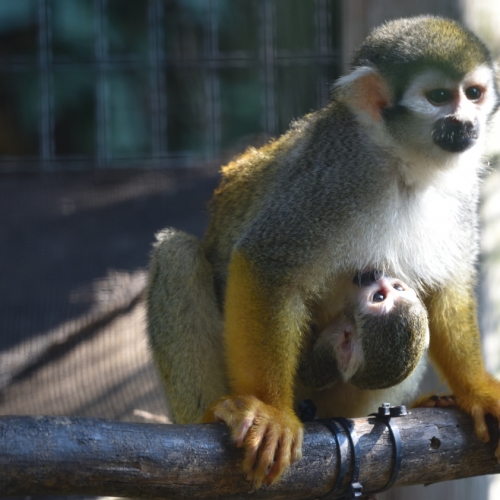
[(436, 401)]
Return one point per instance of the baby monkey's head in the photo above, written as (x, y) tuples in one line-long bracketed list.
[(384, 333)]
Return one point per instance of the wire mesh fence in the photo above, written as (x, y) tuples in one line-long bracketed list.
[(98, 85), (156, 83), (121, 99)]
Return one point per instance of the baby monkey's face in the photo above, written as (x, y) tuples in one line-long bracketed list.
[(380, 295), (381, 335)]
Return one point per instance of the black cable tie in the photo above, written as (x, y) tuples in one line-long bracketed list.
[(340, 440), (354, 489), (385, 414)]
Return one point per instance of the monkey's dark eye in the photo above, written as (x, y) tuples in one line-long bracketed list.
[(473, 93), (398, 287), (439, 96), (378, 297)]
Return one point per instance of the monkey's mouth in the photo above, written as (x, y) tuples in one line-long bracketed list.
[(454, 135)]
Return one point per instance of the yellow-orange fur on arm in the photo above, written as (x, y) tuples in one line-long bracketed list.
[(455, 347), (263, 341)]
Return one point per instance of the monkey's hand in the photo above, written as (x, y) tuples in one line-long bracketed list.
[(483, 399), (477, 405), (272, 437)]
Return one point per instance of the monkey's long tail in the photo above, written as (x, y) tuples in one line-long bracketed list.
[(185, 326)]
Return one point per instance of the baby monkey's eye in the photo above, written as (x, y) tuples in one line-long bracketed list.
[(398, 287), (378, 297), (439, 96), (473, 93)]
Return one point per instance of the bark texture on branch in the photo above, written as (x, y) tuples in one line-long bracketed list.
[(59, 455)]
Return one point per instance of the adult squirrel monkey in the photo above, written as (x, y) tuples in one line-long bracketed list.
[(385, 177)]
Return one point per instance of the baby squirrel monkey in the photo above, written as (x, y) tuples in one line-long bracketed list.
[(385, 177), (376, 342)]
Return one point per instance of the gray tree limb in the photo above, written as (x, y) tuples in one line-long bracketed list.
[(59, 455)]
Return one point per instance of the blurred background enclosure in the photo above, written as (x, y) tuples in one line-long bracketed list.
[(156, 83), (115, 117)]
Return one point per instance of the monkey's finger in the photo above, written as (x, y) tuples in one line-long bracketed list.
[(480, 426), (229, 411), (451, 399), (253, 442), (296, 453), (266, 456), (223, 411), (435, 402), (442, 401), (240, 431), (448, 401), (282, 459)]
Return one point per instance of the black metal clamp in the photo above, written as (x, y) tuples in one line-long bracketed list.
[(385, 414)]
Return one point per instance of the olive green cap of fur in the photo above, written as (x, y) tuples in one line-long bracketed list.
[(403, 47)]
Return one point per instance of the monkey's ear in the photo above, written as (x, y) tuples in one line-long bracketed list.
[(364, 90)]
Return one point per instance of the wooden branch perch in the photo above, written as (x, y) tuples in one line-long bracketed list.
[(59, 455)]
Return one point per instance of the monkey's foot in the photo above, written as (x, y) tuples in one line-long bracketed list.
[(435, 402), (478, 406), (272, 437), (482, 399)]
